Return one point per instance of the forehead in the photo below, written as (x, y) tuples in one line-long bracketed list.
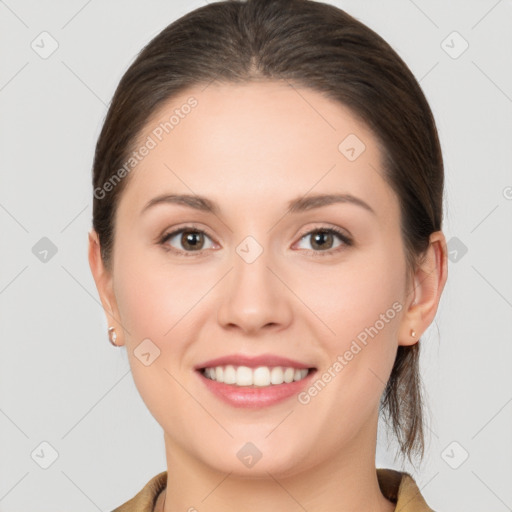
[(256, 141)]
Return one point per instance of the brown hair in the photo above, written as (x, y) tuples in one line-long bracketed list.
[(310, 44)]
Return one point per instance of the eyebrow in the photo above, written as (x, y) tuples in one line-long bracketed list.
[(297, 205)]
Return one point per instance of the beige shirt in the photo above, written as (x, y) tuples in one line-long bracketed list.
[(396, 486)]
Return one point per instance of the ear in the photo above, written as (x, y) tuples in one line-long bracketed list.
[(425, 290), (103, 279)]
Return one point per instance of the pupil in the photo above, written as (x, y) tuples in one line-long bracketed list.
[(189, 239), (321, 235)]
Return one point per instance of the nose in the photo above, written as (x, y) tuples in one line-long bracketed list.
[(254, 297)]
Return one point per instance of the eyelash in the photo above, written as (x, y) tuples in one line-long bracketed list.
[(329, 230)]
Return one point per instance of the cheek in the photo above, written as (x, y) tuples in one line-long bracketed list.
[(363, 308), (352, 297), (153, 304), (142, 302), (362, 304), (154, 298)]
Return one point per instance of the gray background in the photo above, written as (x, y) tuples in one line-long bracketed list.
[(62, 383)]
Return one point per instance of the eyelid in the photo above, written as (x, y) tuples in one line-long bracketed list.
[(326, 227)]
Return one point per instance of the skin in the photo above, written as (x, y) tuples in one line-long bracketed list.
[(251, 148)]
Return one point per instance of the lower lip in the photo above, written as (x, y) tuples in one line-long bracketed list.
[(255, 396)]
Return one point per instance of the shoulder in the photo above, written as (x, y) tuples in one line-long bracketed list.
[(145, 499), (400, 488)]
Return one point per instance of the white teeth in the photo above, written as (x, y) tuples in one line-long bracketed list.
[(261, 376), (229, 375), (288, 375), (276, 375), (244, 376)]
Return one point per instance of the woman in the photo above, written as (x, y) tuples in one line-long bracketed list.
[(267, 245)]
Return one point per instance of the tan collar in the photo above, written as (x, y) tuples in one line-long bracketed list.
[(396, 486)]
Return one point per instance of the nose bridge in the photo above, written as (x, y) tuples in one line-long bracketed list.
[(254, 296), (251, 263)]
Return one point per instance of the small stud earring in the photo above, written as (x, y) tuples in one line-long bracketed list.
[(112, 336), (413, 333)]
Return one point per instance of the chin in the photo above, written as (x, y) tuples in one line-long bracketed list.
[(256, 459)]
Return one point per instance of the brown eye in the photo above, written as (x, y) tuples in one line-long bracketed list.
[(188, 240), (192, 240), (323, 240)]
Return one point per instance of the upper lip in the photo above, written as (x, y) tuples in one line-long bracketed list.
[(252, 361)]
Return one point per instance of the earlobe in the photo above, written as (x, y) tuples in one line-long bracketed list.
[(425, 294), (103, 279)]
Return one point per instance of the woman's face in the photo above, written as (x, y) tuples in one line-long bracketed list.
[(256, 283)]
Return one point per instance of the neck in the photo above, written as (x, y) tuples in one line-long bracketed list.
[(347, 481)]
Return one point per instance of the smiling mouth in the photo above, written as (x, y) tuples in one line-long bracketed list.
[(261, 376)]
